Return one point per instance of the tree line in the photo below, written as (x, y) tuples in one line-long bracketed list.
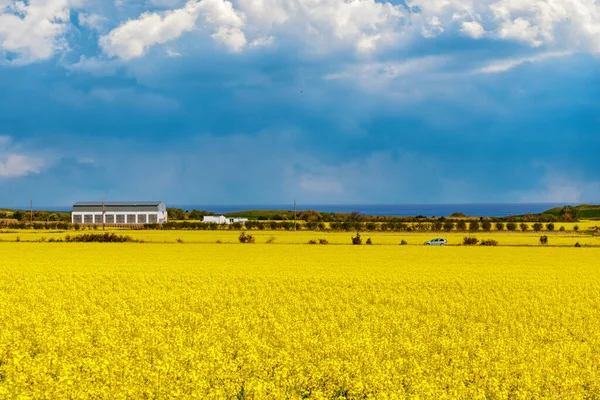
[(565, 214)]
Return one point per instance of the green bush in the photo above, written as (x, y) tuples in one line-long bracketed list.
[(461, 226), (489, 242), (100, 238), (550, 227), (524, 226), (544, 239), (511, 226), (246, 238), (577, 244), (470, 241), (323, 241), (576, 228), (499, 226), (538, 226), (403, 242), (356, 240), (448, 226), (473, 226), (486, 226), (369, 241)]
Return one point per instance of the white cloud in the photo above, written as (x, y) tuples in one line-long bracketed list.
[(560, 187), (262, 42), (472, 29), (133, 38), (361, 25), (433, 28), (520, 29), (364, 25), (33, 31), (499, 66), (564, 24), (95, 66), (401, 80), (14, 163), (92, 21), (173, 53)]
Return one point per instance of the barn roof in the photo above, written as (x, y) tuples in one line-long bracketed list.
[(116, 203)]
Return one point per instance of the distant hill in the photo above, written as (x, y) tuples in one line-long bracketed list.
[(583, 211)]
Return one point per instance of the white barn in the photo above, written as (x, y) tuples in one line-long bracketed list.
[(127, 212), (221, 220)]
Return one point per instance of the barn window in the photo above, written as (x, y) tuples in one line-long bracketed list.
[(120, 218), (131, 218), (109, 218), (77, 219), (98, 219)]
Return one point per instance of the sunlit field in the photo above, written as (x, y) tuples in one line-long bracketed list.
[(303, 237), (276, 322)]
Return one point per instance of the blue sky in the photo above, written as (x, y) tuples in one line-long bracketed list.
[(330, 101)]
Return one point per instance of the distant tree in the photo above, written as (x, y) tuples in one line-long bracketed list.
[(175, 213), (538, 226), (18, 215), (458, 215), (524, 226), (355, 216), (550, 227), (473, 226), (511, 226), (310, 216), (486, 226), (437, 225), (569, 213), (499, 226), (448, 226), (357, 240), (371, 226), (199, 214), (461, 226), (576, 228), (237, 226)]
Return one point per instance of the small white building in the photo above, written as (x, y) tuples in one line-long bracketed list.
[(223, 220), (127, 212)]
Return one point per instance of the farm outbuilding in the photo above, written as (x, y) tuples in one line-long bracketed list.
[(221, 219), (127, 212)]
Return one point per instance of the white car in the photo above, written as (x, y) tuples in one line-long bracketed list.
[(436, 242)]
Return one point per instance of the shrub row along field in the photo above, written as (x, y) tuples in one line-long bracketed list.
[(348, 226), (91, 320), (304, 237)]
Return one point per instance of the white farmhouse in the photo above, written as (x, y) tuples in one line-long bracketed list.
[(223, 220), (215, 220), (127, 212)]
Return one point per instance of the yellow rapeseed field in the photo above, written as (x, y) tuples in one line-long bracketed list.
[(303, 237), (231, 321)]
